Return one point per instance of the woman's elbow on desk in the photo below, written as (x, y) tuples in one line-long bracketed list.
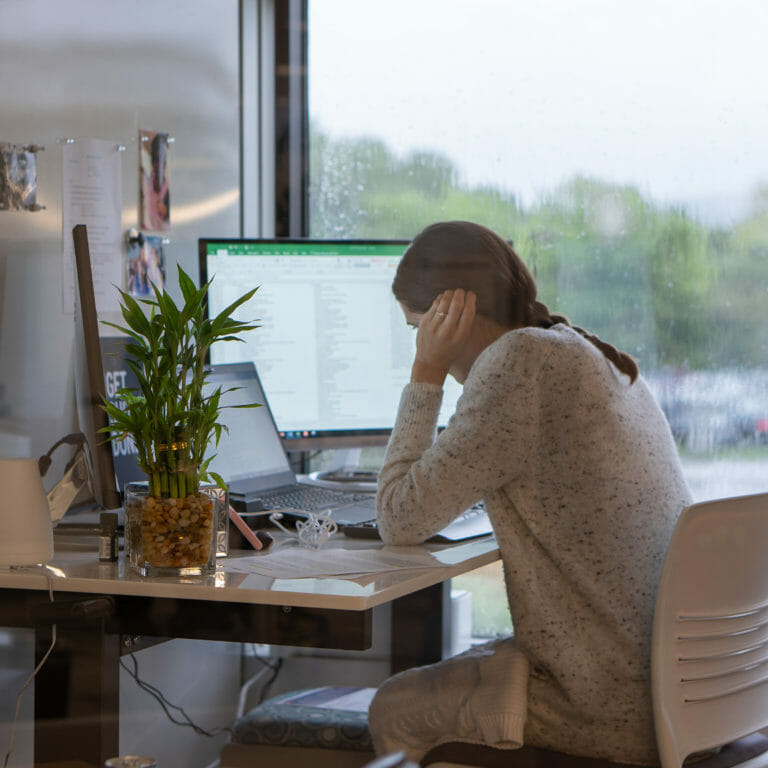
[(398, 516), (397, 532), (399, 538)]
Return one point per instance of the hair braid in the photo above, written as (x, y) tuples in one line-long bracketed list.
[(541, 317), (624, 362)]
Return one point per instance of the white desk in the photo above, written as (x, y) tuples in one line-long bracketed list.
[(100, 609), (76, 568)]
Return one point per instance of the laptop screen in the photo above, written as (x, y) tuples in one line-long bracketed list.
[(250, 456)]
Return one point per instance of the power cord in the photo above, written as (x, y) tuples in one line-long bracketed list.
[(276, 667), (167, 705), (34, 672), (267, 667), (45, 461)]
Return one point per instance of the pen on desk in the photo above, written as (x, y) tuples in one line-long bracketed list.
[(259, 540)]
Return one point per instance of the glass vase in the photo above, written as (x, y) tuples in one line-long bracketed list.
[(172, 537)]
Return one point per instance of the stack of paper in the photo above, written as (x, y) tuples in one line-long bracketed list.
[(302, 563)]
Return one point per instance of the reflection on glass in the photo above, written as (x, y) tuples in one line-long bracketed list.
[(618, 149), (621, 151)]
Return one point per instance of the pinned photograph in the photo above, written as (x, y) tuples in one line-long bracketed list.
[(154, 186), (18, 178), (146, 265)]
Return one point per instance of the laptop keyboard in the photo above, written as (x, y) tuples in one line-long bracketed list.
[(310, 498)]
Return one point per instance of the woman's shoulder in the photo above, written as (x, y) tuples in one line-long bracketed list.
[(538, 342), (529, 351)]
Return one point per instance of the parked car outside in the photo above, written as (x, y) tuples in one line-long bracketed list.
[(712, 409)]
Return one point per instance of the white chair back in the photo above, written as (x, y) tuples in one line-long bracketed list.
[(710, 636)]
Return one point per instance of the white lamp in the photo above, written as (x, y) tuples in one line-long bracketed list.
[(26, 531)]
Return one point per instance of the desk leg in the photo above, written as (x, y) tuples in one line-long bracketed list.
[(420, 627), (77, 694)]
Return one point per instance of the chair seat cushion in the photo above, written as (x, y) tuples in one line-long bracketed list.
[(334, 717)]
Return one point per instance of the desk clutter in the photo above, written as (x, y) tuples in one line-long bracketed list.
[(313, 728), (103, 531), (472, 523)]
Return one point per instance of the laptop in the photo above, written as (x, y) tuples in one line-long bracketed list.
[(250, 457)]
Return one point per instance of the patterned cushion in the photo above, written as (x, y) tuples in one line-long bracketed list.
[(334, 717)]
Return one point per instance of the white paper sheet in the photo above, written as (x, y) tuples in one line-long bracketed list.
[(303, 563), (92, 195)]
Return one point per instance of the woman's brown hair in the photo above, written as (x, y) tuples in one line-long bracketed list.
[(460, 254)]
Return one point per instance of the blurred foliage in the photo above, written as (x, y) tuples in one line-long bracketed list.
[(652, 280)]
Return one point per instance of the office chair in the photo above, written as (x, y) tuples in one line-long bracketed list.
[(709, 649), (709, 656)]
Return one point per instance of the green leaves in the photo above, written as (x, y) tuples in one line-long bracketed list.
[(170, 419)]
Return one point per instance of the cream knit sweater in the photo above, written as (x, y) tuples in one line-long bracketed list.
[(583, 484)]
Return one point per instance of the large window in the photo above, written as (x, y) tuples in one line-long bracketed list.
[(622, 146)]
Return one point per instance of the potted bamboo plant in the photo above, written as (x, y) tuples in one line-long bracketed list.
[(172, 419)]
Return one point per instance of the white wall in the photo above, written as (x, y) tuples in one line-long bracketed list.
[(103, 69)]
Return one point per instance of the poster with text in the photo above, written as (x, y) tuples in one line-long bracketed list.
[(92, 195), (118, 376)]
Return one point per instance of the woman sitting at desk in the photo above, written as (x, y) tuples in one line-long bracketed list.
[(561, 437)]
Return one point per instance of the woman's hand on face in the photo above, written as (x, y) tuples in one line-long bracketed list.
[(443, 332)]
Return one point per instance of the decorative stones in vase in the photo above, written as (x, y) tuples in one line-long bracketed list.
[(169, 536)]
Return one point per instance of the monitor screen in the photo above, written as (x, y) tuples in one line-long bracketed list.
[(333, 350)]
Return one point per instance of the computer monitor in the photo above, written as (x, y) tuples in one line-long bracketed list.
[(333, 351)]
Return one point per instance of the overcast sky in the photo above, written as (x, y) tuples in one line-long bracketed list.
[(668, 95)]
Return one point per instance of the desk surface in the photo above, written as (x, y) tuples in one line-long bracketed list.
[(76, 568)]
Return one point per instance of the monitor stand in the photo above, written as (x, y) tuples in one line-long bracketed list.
[(345, 472)]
